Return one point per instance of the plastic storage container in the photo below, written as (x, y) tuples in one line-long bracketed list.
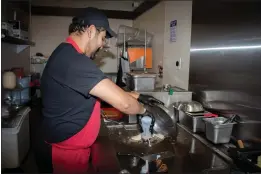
[(216, 131), (24, 82)]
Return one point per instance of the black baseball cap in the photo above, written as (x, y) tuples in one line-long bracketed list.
[(94, 16)]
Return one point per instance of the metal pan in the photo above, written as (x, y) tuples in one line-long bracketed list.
[(165, 122)]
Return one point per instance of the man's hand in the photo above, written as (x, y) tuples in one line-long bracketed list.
[(148, 100)]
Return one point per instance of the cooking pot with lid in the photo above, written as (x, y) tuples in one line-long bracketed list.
[(191, 107)]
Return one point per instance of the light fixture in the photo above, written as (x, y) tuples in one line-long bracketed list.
[(225, 48)]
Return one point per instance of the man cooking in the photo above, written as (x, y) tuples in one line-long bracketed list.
[(72, 86)]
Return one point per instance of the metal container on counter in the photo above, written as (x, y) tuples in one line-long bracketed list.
[(194, 121), (216, 131), (191, 107), (140, 81)]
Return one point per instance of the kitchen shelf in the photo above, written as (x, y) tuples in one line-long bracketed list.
[(16, 41), (18, 88), (38, 63)]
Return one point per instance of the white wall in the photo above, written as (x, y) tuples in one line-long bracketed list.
[(10, 58), (157, 21), (179, 50), (153, 21), (49, 31)]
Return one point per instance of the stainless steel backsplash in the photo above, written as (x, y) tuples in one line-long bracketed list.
[(225, 58), (234, 68)]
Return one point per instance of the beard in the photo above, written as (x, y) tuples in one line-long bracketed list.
[(95, 53)]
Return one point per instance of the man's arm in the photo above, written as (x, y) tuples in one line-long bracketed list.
[(118, 98), (134, 94)]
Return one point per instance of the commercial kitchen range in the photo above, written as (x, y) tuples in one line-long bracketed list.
[(191, 153)]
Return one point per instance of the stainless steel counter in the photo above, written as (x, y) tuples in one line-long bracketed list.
[(191, 156)]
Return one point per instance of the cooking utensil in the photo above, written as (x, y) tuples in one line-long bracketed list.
[(218, 107), (168, 111), (240, 144), (230, 119), (246, 144), (245, 159), (165, 122)]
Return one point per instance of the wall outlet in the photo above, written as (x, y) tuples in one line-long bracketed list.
[(178, 63)]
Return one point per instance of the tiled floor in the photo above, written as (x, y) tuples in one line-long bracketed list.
[(28, 166)]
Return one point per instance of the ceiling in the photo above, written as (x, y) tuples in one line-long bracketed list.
[(112, 9), (226, 12), (125, 5), (204, 11)]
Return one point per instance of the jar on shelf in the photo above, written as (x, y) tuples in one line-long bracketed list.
[(9, 80)]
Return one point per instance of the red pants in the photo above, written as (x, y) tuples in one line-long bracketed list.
[(72, 155)]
